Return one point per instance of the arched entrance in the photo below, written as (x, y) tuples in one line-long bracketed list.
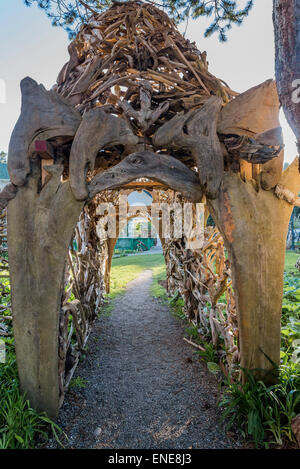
[(115, 115)]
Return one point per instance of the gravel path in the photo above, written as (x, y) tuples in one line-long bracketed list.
[(145, 387)]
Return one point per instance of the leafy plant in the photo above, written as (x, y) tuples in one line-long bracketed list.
[(213, 367), (208, 354), (78, 382), (263, 413)]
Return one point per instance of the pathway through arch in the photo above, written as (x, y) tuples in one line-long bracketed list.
[(145, 387)]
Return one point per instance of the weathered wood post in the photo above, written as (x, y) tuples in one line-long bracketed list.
[(254, 226), (40, 227)]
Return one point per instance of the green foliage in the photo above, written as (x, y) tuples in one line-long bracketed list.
[(5, 297), (78, 382), (223, 13), (290, 330), (124, 252), (213, 367), (159, 278), (291, 258), (208, 354), (20, 425), (69, 15), (192, 331), (264, 413)]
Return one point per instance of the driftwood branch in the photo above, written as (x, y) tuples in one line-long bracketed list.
[(161, 168), (194, 345), (259, 150), (197, 131), (285, 194), (42, 111), (146, 116), (7, 193), (97, 130)]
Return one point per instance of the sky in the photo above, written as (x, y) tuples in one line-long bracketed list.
[(30, 46)]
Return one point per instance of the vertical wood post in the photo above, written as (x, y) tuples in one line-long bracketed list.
[(254, 226), (40, 227)]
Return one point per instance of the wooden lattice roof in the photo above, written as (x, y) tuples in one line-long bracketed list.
[(132, 42), (133, 61)]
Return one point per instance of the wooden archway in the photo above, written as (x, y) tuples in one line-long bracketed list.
[(226, 149)]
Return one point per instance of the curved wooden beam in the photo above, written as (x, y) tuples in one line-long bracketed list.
[(97, 131), (161, 168), (42, 111)]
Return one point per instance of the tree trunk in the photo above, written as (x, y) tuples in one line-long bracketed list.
[(286, 19)]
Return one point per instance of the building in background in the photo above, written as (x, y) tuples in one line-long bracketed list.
[(4, 177)]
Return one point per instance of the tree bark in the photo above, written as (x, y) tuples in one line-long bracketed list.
[(286, 20)]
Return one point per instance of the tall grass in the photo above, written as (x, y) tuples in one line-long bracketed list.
[(20, 425)]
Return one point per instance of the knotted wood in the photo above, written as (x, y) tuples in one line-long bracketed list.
[(41, 112), (196, 132), (97, 131), (162, 168)]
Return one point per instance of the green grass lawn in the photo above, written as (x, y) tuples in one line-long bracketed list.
[(125, 269), (291, 258)]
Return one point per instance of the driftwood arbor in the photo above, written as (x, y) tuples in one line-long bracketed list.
[(133, 93)]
